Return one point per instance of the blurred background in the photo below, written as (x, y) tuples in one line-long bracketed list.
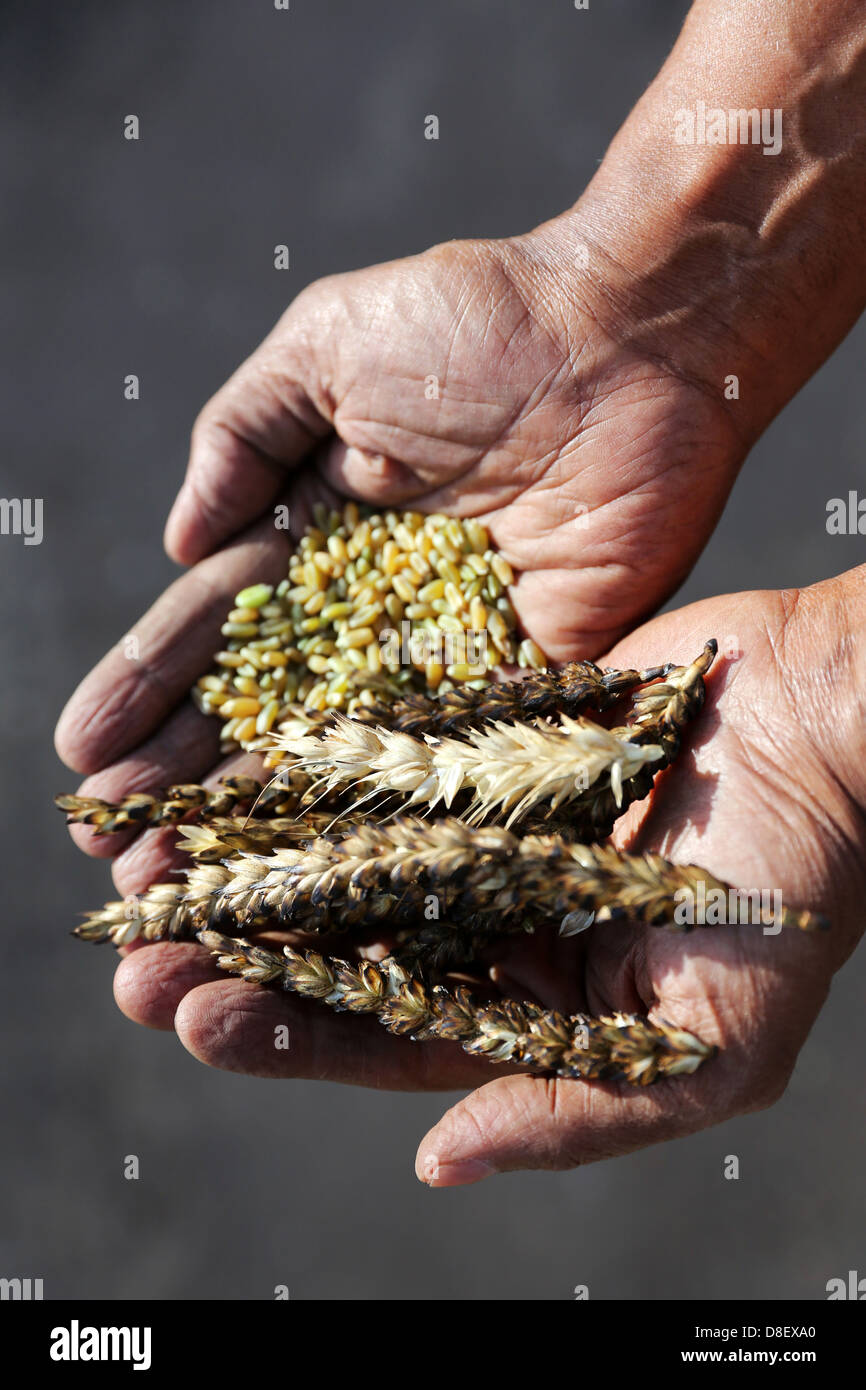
[(306, 127)]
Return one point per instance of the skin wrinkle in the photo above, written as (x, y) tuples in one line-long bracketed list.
[(625, 331)]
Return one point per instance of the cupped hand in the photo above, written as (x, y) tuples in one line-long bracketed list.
[(769, 792), (471, 378)]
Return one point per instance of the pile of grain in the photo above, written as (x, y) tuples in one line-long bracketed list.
[(374, 604)]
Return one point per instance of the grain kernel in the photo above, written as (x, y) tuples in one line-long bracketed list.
[(255, 596), (434, 672), (335, 611), (419, 564), (454, 597), (533, 655), (337, 549), (366, 615), (357, 637), (267, 717), (404, 589), (460, 671), (240, 708), (248, 686), (394, 607), (477, 536), (501, 568), (478, 614), (404, 537), (246, 730), (435, 589)]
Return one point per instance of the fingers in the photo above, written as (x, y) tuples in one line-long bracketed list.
[(240, 1027), (150, 982), (517, 1122), (183, 750), (153, 856), (132, 690), (370, 477), (757, 1018), (260, 424)]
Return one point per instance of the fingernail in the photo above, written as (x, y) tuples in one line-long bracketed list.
[(457, 1173)]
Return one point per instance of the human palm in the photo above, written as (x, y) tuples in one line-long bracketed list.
[(470, 379), (762, 795)]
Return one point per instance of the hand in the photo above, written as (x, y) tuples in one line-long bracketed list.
[(539, 415), (768, 792)]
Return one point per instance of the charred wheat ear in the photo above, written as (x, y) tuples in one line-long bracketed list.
[(619, 1046), (443, 946), (579, 686), (166, 912), (285, 797), (223, 838), (487, 878)]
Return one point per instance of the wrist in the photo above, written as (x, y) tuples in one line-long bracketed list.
[(732, 259)]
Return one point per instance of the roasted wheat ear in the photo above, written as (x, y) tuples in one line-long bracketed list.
[(142, 810), (166, 911), (621, 1046), (389, 872), (578, 687)]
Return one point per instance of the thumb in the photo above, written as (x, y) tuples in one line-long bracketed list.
[(259, 425), (525, 1121)]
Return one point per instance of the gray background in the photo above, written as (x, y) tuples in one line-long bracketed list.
[(260, 127)]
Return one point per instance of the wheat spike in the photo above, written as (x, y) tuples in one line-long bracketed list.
[(515, 767), (167, 911), (223, 837), (508, 767), (623, 1046), (489, 876), (579, 686), (145, 810), (661, 712)]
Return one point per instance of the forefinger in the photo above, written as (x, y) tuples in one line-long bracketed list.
[(151, 669)]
